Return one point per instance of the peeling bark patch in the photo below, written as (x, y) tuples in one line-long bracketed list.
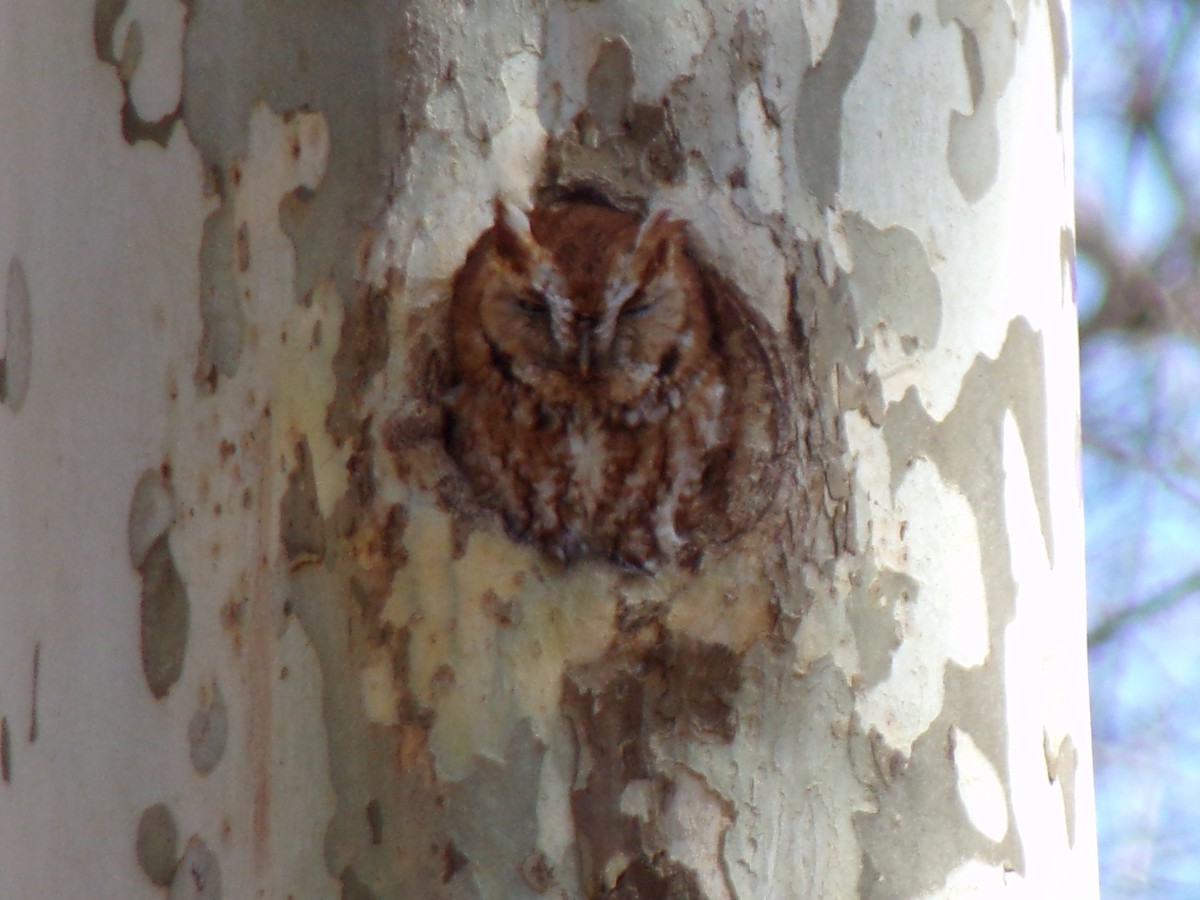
[(893, 283), (616, 149), (353, 888), (394, 526), (537, 873), (874, 623), (313, 58), (374, 814), (222, 319), (622, 168), (151, 513), (1062, 765), (134, 128), (989, 52), (980, 787), (329, 60), (973, 64), (1060, 34), (364, 533), (164, 602), (208, 731), (104, 25), (5, 752), (33, 692), (700, 682), (973, 152), (974, 155), (967, 449), (506, 792), (659, 880), (1066, 252), (453, 862), (617, 708), (822, 94), (164, 615), (198, 876), (157, 844), (338, 606), (921, 830), (610, 728), (243, 248), (967, 445), (17, 362), (131, 52), (232, 617), (610, 88), (362, 351), (301, 527), (504, 612)]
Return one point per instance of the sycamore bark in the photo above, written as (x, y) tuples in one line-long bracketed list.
[(256, 640)]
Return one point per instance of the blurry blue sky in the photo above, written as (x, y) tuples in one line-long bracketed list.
[(1137, 90)]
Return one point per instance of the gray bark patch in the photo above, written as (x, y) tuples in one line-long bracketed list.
[(492, 858), (151, 513), (222, 319), (988, 50), (5, 752), (199, 874), (302, 530), (164, 603), (208, 731), (353, 887), (158, 844), (614, 147), (876, 633), (33, 692), (363, 350), (973, 154), (17, 361), (1060, 33), (1066, 253), (893, 282), (313, 56), (921, 830), (967, 446), (134, 128), (822, 94), (164, 614), (619, 709), (610, 88), (1062, 765)]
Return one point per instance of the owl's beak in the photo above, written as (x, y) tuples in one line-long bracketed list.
[(585, 353)]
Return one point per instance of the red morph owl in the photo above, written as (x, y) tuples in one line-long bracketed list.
[(589, 397)]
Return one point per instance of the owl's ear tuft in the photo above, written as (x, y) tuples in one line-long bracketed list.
[(513, 236), (656, 240)]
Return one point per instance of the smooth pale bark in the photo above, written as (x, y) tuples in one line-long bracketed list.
[(254, 639)]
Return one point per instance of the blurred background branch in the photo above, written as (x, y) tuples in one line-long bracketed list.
[(1137, 137)]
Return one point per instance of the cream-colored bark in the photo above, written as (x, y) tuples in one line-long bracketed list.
[(258, 638)]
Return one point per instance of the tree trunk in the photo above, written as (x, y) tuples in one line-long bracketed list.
[(264, 634)]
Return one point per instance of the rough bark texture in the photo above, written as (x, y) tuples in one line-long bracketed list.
[(260, 628)]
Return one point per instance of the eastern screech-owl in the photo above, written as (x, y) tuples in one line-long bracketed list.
[(588, 398)]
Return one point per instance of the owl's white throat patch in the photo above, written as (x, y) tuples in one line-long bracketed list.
[(588, 461)]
